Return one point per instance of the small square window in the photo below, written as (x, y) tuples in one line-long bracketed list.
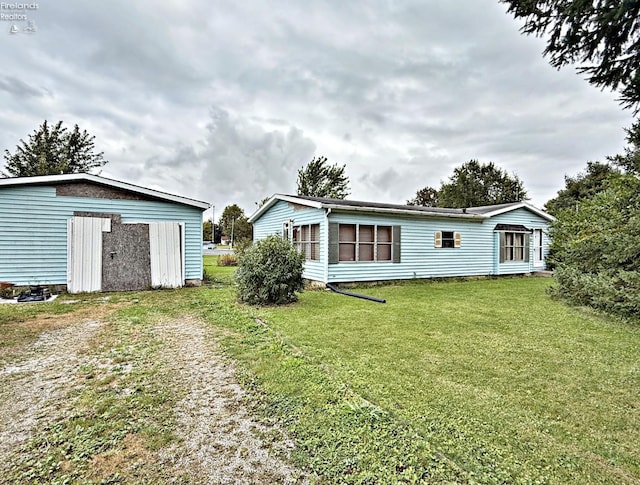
[(448, 239)]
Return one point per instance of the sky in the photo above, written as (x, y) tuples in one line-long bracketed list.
[(225, 101)]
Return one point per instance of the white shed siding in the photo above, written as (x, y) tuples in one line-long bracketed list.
[(271, 223), (33, 230), (166, 255), (84, 250)]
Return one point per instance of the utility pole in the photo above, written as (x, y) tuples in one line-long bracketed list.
[(233, 222), (213, 224)]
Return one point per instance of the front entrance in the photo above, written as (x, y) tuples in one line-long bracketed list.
[(538, 250), (105, 255)]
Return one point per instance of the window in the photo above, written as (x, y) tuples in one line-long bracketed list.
[(347, 242), (514, 242), (514, 246), (307, 240), (286, 226), (447, 239), (360, 242), (384, 242)]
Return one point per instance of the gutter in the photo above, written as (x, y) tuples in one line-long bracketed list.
[(478, 217)]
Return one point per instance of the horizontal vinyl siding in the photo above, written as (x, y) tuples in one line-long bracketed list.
[(530, 221), (419, 258), (33, 231), (271, 223)]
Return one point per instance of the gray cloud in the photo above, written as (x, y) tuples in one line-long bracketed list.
[(224, 101), (19, 88)]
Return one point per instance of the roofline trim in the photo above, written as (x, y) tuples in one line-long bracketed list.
[(389, 210), (287, 198), (521, 205), (392, 210), (48, 179)]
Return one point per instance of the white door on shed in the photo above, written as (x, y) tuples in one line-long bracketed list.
[(166, 249), (84, 253)]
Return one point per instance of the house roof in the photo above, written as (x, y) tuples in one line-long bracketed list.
[(480, 213), (95, 179)]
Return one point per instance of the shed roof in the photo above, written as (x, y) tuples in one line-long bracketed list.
[(103, 181), (483, 212)]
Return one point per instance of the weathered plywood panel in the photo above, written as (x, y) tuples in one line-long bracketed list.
[(126, 263)]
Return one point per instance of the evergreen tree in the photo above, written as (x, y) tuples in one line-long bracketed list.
[(53, 150), (596, 244), (583, 186), (601, 36)]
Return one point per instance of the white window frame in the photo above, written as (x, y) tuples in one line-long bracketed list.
[(306, 246)]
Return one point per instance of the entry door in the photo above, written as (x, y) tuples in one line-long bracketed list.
[(84, 253), (166, 250), (537, 247)]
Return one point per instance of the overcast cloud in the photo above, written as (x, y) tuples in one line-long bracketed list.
[(225, 101)]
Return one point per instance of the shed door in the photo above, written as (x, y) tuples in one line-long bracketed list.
[(84, 253), (166, 251)]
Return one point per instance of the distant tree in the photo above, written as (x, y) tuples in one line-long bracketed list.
[(263, 201), (234, 223), (319, 179), (207, 230), (583, 186), (53, 150), (217, 234), (601, 36), (475, 184), (426, 197)]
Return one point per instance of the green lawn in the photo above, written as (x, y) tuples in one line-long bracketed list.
[(495, 381), (482, 381)]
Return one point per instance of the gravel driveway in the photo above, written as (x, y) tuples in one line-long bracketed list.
[(220, 441)]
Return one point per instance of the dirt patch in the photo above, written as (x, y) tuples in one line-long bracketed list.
[(219, 440), (34, 387), (132, 453), (19, 336), (222, 442)]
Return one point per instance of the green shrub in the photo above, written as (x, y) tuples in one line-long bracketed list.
[(242, 245), (269, 272), (227, 260), (597, 249)]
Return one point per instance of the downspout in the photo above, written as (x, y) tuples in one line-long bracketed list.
[(326, 245), (355, 295)]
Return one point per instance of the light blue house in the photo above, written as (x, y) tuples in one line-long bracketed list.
[(350, 241), (90, 233)]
